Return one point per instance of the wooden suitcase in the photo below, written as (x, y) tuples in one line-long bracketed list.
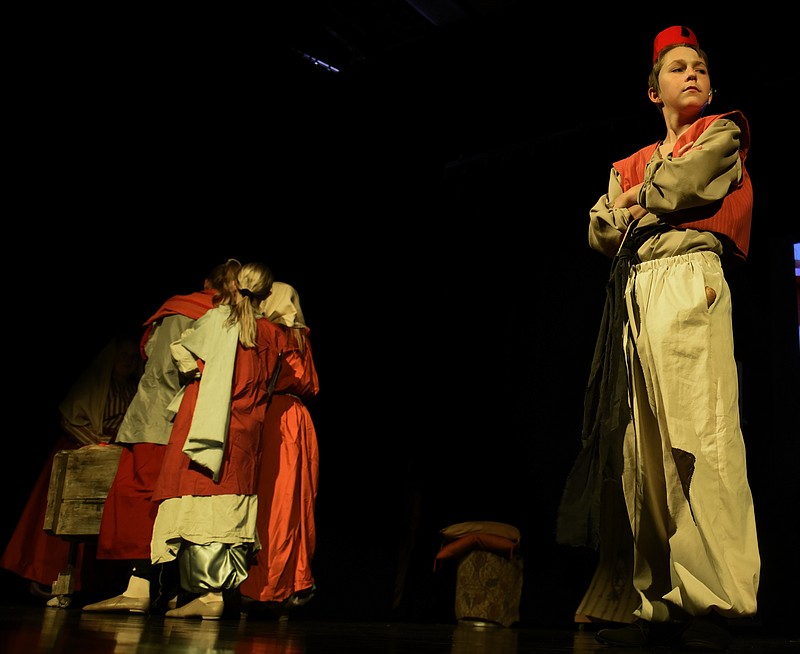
[(79, 485)]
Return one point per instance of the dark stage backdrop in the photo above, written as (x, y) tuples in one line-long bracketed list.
[(431, 210)]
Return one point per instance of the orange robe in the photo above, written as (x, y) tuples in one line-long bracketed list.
[(287, 488)]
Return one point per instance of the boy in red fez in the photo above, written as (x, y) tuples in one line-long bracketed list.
[(662, 402)]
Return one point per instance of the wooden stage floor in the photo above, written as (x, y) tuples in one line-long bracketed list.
[(27, 629)]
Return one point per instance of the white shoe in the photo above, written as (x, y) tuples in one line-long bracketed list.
[(197, 608), (120, 604), (59, 602)]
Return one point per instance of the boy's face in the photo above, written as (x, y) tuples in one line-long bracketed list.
[(684, 83)]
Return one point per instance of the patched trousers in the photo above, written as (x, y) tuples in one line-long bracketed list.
[(685, 474)]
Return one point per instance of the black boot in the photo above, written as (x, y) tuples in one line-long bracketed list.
[(641, 633), (707, 633), (165, 590)]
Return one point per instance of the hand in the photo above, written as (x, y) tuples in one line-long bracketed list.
[(637, 211), (685, 148), (627, 198)]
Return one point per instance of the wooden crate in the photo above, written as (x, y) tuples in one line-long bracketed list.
[(79, 484)]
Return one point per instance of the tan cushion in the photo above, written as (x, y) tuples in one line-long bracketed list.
[(484, 527)]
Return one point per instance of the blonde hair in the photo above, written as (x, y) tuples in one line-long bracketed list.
[(253, 286)]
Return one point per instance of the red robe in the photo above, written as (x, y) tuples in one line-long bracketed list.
[(129, 511), (239, 473), (31, 552)]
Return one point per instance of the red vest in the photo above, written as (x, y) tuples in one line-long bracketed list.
[(731, 217)]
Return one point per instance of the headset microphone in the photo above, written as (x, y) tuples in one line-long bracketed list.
[(708, 100)]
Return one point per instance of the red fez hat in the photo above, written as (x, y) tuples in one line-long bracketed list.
[(675, 35)]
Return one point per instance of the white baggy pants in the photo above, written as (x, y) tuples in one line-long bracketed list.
[(685, 474)]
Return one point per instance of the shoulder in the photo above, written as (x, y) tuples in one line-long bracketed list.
[(216, 314), (732, 121), (266, 326), (270, 337), (724, 130), (643, 154)]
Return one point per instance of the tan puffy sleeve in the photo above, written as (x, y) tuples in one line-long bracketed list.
[(606, 225), (705, 174)]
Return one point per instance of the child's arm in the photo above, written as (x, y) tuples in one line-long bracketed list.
[(611, 215), (703, 172)]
